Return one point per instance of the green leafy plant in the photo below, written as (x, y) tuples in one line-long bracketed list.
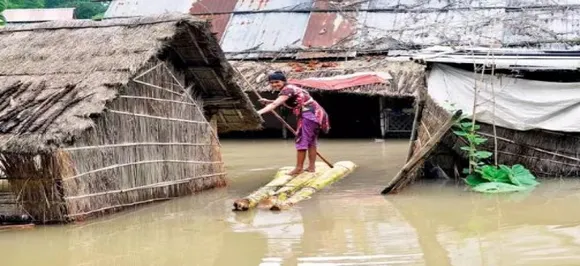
[(3, 5), (467, 130), (486, 178)]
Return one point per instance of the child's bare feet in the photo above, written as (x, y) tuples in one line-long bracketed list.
[(296, 171), (311, 169)]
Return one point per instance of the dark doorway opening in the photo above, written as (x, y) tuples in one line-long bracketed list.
[(351, 116)]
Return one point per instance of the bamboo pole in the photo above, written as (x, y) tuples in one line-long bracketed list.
[(315, 184), (282, 177), (280, 118), (414, 131), (298, 182), (403, 174)]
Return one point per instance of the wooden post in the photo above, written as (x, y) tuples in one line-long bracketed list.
[(382, 117), (403, 176)]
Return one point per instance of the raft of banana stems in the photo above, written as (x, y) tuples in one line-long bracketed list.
[(285, 190)]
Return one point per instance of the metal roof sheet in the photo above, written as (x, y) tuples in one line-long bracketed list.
[(212, 6), (529, 62), (538, 3), (265, 28), (219, 21), (131, 8), (542, 25), (38, 15), (264, 32), (252, 5), (328, 29), (433, 4), (433, 28)]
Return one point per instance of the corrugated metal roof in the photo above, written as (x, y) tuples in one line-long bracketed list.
[(250, 5), (38, 15), (328, 29), (433, 4), (131, 8), (264, 32), (537, 3), (432, 28), (219, 21), (505, 58), (262, 28), (212, 6), (538, 25)]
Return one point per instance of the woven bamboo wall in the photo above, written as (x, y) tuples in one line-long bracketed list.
[(546, 154), (152, 143)]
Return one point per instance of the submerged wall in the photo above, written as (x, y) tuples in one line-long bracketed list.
[(152, 143), (545, 153)]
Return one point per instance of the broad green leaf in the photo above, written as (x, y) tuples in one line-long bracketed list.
[(465, 171), (488, 172), (522, 176), (494, 174), (506, 174), (3, 5), (483, 154), (497, 187), (473, 180), (2, 20), (502, 176), (460, 133)]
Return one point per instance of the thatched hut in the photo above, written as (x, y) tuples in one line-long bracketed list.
[(99, 116), (531, 99), (373, 109)]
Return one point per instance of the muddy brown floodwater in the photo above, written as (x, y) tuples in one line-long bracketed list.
[(349, 223)]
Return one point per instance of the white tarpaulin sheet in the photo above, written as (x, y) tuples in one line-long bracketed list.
[(519, 103)]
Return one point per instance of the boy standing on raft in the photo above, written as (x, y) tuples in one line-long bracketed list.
[(311, 118)]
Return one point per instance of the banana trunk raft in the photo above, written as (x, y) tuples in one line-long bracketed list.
[(284, 190)]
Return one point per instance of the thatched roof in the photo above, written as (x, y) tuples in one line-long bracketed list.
[(407, 76), (55, 76)]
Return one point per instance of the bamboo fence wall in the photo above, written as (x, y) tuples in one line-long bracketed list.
[(152, 143), (547, 154)]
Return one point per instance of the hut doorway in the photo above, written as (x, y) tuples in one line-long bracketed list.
[(351, 116), (362, 116)]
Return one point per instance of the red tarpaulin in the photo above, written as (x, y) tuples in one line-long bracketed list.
[(343, 81)]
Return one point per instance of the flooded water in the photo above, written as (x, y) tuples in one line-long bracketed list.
[(349, 223)]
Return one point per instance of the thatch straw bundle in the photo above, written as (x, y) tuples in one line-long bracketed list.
[(98, 116)]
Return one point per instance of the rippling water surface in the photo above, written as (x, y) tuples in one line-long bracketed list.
[(349, 223)]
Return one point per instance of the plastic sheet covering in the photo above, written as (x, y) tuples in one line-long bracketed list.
[(520, 104), (344, 81)]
